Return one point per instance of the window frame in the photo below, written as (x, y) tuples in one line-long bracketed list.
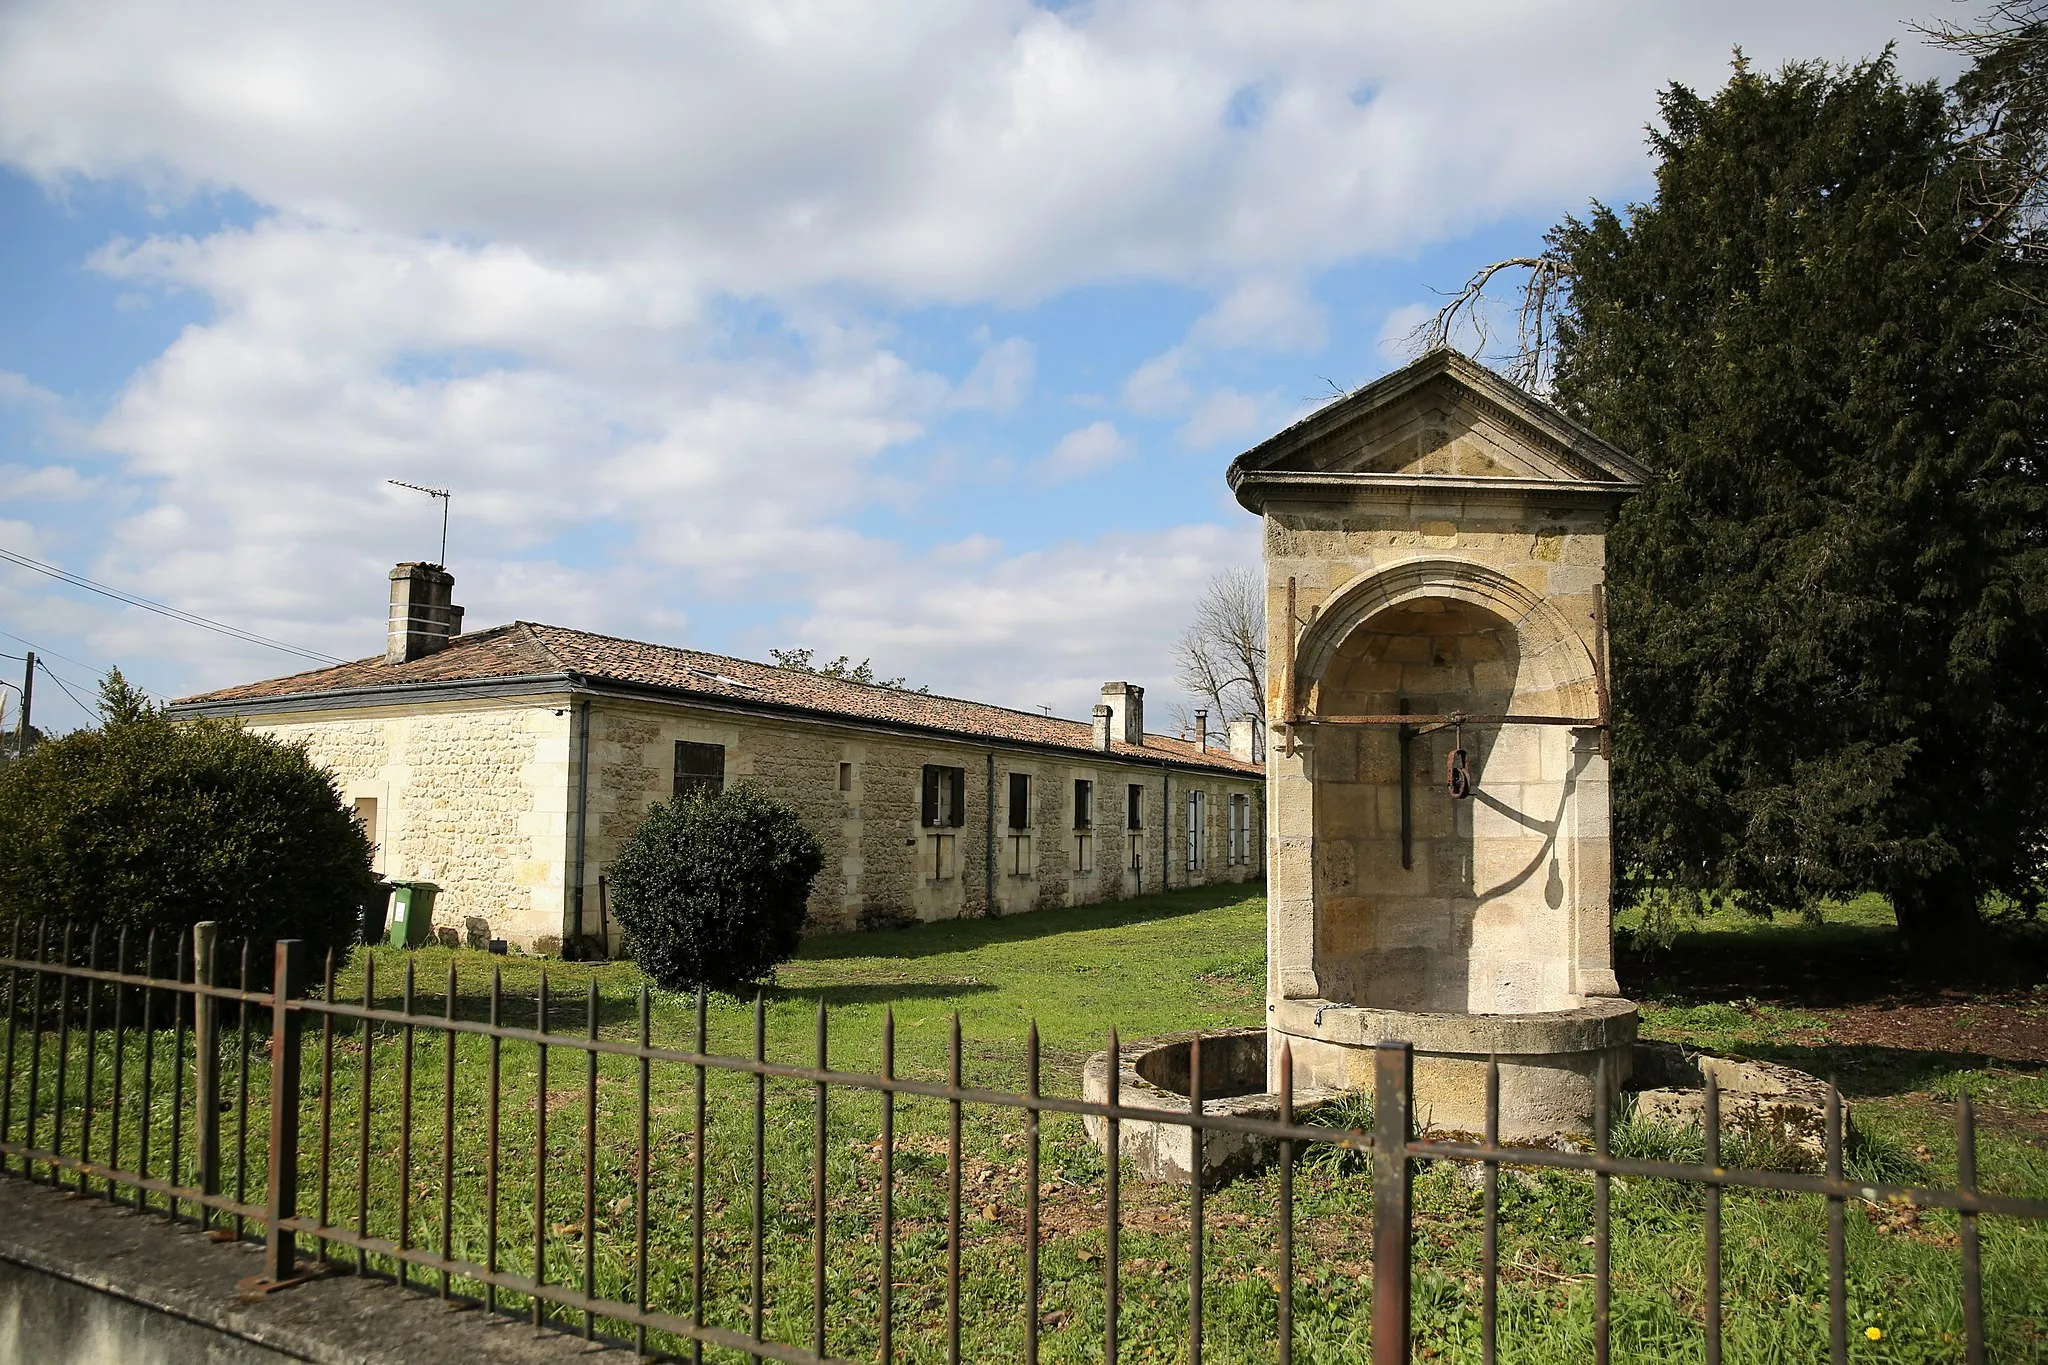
[(1084, 804), (683, 783), (942, 797)]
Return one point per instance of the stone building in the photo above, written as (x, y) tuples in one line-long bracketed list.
[(509, 765), (1435, 557)]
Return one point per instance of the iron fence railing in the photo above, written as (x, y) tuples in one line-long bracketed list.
[(141, 1019)]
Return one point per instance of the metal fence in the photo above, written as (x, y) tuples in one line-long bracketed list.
[(98, 1031)]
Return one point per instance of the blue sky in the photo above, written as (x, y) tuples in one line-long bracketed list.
[(914, 331)]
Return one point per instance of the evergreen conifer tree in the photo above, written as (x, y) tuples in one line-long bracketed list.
[(1830, 607)]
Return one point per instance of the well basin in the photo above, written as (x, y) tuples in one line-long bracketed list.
[(1155, 1075)]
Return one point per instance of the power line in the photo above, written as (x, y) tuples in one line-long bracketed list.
[(43, 657), (91, 713), (186, 617)]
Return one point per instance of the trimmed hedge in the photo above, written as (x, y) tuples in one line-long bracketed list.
[(711, 889), (146, 824)]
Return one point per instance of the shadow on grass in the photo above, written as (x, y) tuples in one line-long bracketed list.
[(883, 992), (1863, 1071), (965, 935), (1826, 966)]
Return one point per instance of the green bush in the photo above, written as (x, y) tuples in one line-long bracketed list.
[(711, 889), (149, 825)]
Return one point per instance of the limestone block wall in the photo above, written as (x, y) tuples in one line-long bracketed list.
[(859, 791), (1510, 583), (470, 796)]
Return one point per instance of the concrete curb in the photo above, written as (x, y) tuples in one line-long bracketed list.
[(82, 1281)]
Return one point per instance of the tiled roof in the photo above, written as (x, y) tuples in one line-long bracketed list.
[(526, 649)]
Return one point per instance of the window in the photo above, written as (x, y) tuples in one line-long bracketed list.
[(1198, 829), (699, 767), (366, 818), (846, 777), (1084, 852), (1240, 830), (945, 797), (1084, 804), (1134, 807), (1020, 800)]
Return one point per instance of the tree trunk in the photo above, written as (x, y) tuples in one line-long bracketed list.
[(1939, 919)]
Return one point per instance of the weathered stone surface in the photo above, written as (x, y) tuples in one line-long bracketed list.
[(1768, 1101), (1155, 1075), (480, 799), (1441, 539)]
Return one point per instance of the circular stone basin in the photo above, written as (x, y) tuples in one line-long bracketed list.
[(1155, 1075)]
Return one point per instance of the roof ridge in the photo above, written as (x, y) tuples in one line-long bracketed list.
[(526, 629), (803, 673)]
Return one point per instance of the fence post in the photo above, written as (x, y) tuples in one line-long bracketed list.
[(281, 1245), (205, 1066), (1392, 1107)]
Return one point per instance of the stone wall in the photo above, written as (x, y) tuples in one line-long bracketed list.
[(472, 797), (881, 863), (480, 798)]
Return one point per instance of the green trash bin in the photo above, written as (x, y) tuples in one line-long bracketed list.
[(412, 913)]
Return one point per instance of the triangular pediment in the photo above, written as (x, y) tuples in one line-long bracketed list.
[(1442, 418)]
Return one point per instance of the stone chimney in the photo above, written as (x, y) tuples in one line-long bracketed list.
[(1202, 731), (423, 619), (1126, 703), (1244, 733), (1103, 721)]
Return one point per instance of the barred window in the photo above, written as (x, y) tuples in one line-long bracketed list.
[(699, 767)]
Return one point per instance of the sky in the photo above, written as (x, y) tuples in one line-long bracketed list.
[(920, 332)]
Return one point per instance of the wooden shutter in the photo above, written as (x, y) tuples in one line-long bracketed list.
[(957, 780)]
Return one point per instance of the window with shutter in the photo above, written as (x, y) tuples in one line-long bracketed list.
[(699, 767), (1020, 801), (1084, 804), (1134, 803), (944, 803)]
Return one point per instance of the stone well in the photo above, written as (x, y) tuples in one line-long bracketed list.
[(1435, 550), (1156, 1074)]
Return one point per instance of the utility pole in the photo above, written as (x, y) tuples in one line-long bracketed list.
[(28, 696)]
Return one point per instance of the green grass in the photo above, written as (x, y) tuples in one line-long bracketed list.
[(1189, 960)]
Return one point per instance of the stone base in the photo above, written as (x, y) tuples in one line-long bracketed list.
[(1548, 1061), (1155, 1075), (1767, 1101)]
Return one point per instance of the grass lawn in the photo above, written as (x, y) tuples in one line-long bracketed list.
[(1188, 960)]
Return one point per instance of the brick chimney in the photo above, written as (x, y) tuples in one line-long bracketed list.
[(423, 619), (1103, 715), (1202, 730), (1126, 703), (1244, 733)]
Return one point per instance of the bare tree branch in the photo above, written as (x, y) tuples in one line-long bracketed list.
[(1222, 654), (1529, 362), (2003, 102)]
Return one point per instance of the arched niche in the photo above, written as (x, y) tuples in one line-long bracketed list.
[(1427, 903)]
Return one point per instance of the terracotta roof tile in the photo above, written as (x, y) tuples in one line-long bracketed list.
[(528, 649)]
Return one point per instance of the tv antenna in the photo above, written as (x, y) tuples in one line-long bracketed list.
[(443, 495)]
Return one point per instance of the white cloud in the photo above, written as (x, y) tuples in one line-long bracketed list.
[(1225, 413), (1000, 378), (1047, 626), (1086, 449), (53, 482), (1396, 339), (926, 148)]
